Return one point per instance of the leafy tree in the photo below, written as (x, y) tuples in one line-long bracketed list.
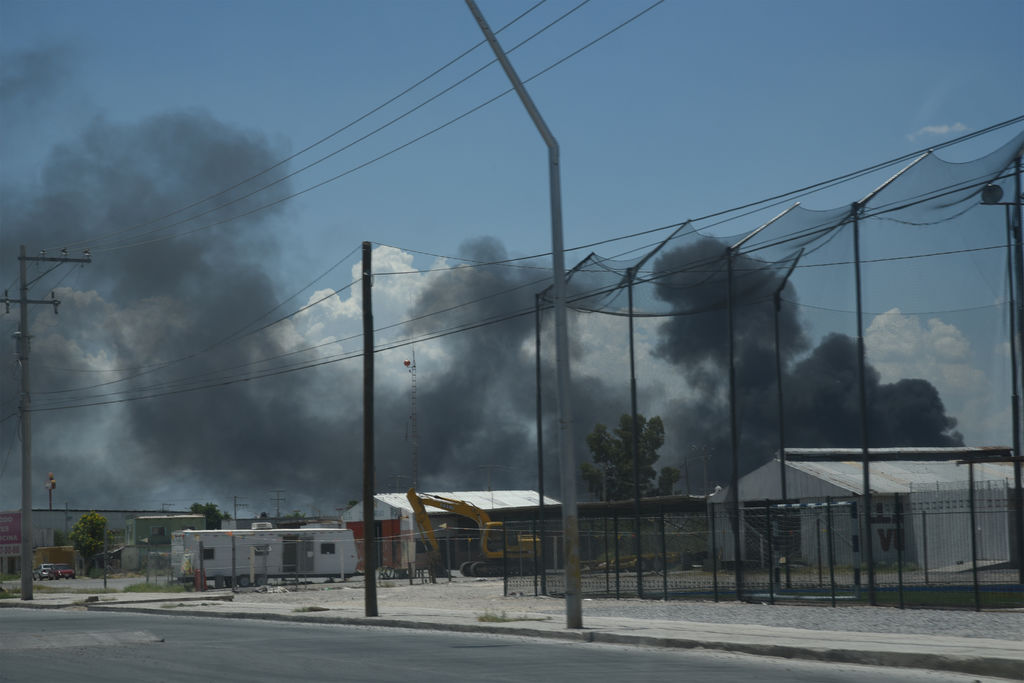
[(87, 535), (214, 515), (610, 477)]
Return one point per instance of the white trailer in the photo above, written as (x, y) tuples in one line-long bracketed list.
[(252, 556)]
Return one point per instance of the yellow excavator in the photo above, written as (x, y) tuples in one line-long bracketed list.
[(495, 549)]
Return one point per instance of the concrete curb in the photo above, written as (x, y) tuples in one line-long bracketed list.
[(995, 667)]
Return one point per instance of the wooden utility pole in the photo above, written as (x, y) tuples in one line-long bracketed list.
[(25, 404), (369, 526)]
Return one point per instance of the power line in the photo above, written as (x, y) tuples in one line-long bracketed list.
[(321, 160), (373, 160), (317, 143)]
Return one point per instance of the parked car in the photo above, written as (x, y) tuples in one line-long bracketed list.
[(51, 571), (63, 571), (43, 571)]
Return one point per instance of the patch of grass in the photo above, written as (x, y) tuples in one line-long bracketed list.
[(73, 591), (310, 608), (490, 617), (155, 588)]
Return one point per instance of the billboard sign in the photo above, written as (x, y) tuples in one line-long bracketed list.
[(10, 533)]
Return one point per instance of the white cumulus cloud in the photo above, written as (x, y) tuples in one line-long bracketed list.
[(943, 129)]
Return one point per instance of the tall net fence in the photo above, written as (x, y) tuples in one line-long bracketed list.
[(887, 321), (940, 548)]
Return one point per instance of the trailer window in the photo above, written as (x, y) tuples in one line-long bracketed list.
[(208, 553), (326, 548)]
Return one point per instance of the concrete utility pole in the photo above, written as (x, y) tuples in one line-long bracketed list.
[(570, 519), (25, 404)]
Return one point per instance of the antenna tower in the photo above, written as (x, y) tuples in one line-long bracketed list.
[(414, 435)]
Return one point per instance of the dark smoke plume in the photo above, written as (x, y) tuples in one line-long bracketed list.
[(821, 390), (137, 308)]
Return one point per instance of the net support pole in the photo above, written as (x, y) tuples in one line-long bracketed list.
[(1018, 275), (862, 396), (855, 211)]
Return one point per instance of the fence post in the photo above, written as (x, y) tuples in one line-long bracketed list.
[(664, 557), (607, 559), (924, 538), (533, 544), (714, 553), (831, 549), (817, 546), (615, 529), (771, 551), (974, 538), (855, 547), (898, 511), (504, 558)]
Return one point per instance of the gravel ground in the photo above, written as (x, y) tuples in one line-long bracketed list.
[(485, 595)]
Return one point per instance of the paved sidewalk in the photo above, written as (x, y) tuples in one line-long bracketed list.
[(976, 656)]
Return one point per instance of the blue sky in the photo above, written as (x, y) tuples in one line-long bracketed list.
[(692, 108)]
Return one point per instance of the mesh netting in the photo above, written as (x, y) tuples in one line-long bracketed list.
[(934, 278)]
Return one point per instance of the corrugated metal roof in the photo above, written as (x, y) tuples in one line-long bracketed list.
[(901, 453), (485, 500), (900, 476)]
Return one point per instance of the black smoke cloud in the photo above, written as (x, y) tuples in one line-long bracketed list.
[(821, 384), (476, 419), (140, 307), (135, 309)]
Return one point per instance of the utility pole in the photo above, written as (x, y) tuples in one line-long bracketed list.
[(278, 499), (414, 431), (25, 404), (238, 505), (369, 524)]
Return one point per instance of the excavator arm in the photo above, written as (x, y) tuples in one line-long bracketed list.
[(492, 543)]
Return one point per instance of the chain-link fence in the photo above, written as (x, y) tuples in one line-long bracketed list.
[(945, 548)]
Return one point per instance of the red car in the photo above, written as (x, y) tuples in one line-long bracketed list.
[(62, 571)]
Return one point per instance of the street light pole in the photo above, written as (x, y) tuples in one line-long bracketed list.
[(570, 517)]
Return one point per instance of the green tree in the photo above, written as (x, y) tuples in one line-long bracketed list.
[(214, 515), (87, 535), (610, 476)]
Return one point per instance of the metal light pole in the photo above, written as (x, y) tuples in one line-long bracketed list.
[(570, 518)]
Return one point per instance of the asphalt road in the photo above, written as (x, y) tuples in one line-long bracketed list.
[(49, 645)]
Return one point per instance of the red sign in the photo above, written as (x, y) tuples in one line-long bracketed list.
[(10, 533)]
